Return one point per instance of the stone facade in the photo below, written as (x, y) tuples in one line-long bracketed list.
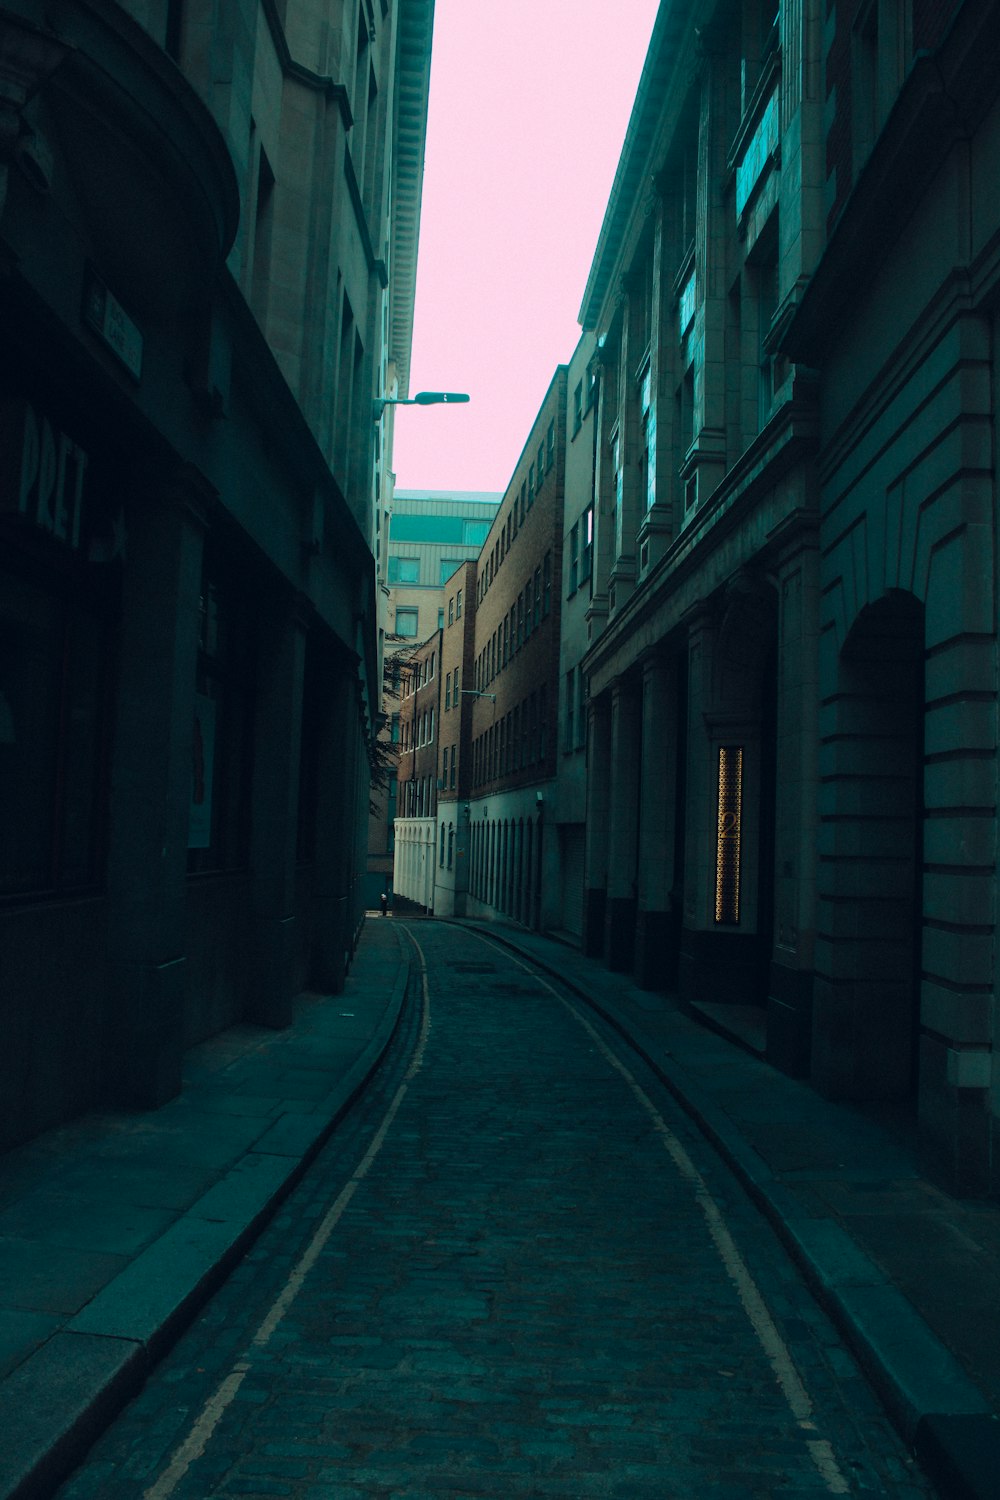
[(792, 751), (194, 215)]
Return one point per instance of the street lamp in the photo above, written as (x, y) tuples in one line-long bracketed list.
[(422, 398), (471, 693)]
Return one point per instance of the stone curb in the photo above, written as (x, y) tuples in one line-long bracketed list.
[(56, 1404), (932, 1402)]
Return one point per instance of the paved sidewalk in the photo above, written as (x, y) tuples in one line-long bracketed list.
[(114, 1229), (910, 1275)]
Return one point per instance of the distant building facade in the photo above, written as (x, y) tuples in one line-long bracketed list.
[(512, 860), (426, 534), (416, 823), (455, 697), (204, 287)]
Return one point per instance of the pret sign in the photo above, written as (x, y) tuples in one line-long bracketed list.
[(42, 472)]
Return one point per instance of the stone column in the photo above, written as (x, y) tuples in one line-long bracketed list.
[(623, 825), (657, 927), (330, 919), (151, 793), (278, 735), (595, 880), (700, 784), (789, 1002)]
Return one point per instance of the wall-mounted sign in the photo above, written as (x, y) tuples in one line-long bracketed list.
[(42, 472), (729, 834), (103, 313)]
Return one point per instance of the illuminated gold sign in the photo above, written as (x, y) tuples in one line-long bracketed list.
[(730, 819)]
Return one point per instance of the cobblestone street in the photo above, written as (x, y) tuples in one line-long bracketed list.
[(516, 1270)]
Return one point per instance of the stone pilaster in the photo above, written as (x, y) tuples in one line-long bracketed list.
[(623, 832), (595, 882), (657, 928), (151, 775), (278, 723)]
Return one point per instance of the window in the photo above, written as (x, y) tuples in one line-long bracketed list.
[(546, 585), (432, 725), (684, 404), (53, 716), (458, 605), (451, 843), (406, 623), (441, 855), (448, 566), (550, 445), (451, 610), (441, 618), (574, 559), (430, 673), (531, 485), (541, 463), (395, 729), (587, 547), (524, 498), (577, 407), (404, 570), (529, 594), (767, 300), (451, 774), (520, 620), (447, 691), (456, 686), (537, 617)]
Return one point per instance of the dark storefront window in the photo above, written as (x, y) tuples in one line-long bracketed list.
[(54, 661), (219, 825)]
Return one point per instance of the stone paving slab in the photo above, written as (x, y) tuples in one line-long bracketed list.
[(809, 1162), (114, 1229)]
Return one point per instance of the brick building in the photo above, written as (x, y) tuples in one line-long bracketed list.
[(416, 822), (455, 762), (516, 674)]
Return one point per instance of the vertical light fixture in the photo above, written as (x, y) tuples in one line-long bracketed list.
[(729, 833)]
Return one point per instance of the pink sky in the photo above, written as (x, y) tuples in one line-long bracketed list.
[(529, 104)]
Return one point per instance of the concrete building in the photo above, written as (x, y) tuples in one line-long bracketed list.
[(792, 715), (208, 233), (513, 852)]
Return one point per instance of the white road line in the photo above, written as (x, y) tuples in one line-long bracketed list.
[(211, 1414), (778, 1354)]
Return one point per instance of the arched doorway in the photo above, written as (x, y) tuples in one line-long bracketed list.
[(866, 1034)]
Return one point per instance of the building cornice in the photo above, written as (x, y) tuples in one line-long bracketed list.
[(635, 168), (409, 135)]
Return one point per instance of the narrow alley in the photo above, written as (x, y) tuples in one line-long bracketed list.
[(516, 1269)]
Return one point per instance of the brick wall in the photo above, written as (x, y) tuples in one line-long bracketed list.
[(514, 738)]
